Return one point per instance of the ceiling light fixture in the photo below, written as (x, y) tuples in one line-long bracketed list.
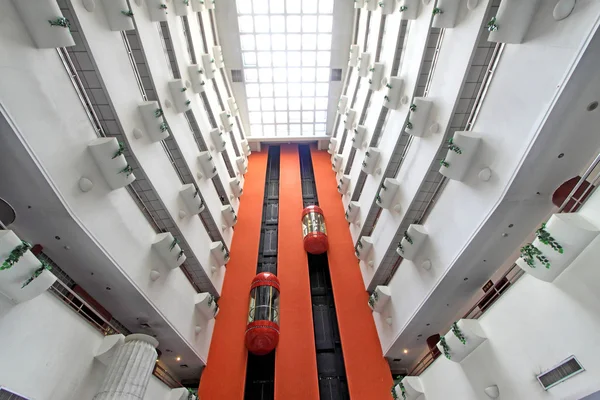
[(405, 351), (178, 358)]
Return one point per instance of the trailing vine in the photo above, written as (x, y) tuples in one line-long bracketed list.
[(437, 11), (444, 163), (181, 253), (401, 248), (544, 236), (403, 8), (409, 125), (37, 272), (127, 170), (187, 103), (127, 13), (174, 243), (458, 333), (407, 237), (445, 347), (158, 112), (453, 147), (15, 255), (492, 25), (398, 382), (119, 151), (212, 300), (413, 107), (373, 299), (60, 21), (529, 253), (164, 126)]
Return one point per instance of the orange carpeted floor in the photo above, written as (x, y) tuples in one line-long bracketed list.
[(295, 358), (225, 373), (367, 371)]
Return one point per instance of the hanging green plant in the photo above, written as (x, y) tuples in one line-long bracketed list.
[(387, 85), (37, 272), (407, 237), (120, 151), (409, 125), (191, 394), (373, 299), (180, 255), (443, 163), (183, 89), (453, 147), (60, 21), (158, 112), (381, 4), (15, 255), (187, 103), (445, 347), (163, 6), (127, 170), (544, 236), (378, 199), (164, 126), (458, 333), (403, 8), (401, 248), (492, 25), (127, 13), (413, 107), (186, 2), (372, 69), (437, 11), (529, 253), (386, 98), (173, 244), (370, 81)]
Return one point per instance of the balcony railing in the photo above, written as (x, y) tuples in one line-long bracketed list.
[(96, 320)]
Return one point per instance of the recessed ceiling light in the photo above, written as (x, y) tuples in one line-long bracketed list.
[(178, 358), (405, 351)]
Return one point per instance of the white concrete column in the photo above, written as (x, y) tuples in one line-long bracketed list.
[(128, 374)]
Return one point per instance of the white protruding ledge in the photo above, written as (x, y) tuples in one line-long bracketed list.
[(169, 253), (245, 147), (218, 55), (359, 3), (226, 121), (208, 65), (155, 11), (387, 195), (571, 231), (380, 298), (179, 95), (117, 20), (512, 21), (413, 388), (197, 5), (35, 15), (181, 8), (364, 250), (473, 334), (344, 184), (394, 90), (377, 80), (228, 216), (218, 141), (332, 145), (336, 162), (210, 4), (352, 212), (371, 161), (108, 348), (371, 5), (458, 164), (236, 187), (233, 107), (207, 165), (388, 6), (206, 304), (191, 199), (364, 63), (151, 115), (350, 123), (12, 279), (447, 18), (419, 117), (354, 54), (342, 105), (195, 73), (112, 166), (242, 164), (418, 235), (411, 11), (219, 253), (359, 139)]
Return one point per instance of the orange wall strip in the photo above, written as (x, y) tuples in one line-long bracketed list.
[(225, 373), (295, 358), (368, 373)]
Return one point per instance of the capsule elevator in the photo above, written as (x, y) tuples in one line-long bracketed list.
[(330, 360), (260, 369)]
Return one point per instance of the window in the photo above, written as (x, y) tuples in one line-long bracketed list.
[(286, 53)]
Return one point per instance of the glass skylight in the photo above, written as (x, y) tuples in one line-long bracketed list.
[(286, 52)]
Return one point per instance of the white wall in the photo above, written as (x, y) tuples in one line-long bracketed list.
[(530, 329), (47, 352)]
